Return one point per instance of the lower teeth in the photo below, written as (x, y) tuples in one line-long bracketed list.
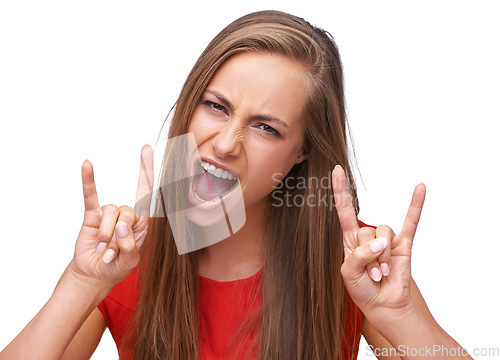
[(197, 196)]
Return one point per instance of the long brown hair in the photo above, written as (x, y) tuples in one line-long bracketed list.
[(303, 294)]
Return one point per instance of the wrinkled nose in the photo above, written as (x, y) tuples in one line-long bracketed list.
[(227, 141)]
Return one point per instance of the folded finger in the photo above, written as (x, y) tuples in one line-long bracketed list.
[(365, 236), (385, 258), (124, 239), (128, 255), (106, 246), (125, 215), (355, 265)]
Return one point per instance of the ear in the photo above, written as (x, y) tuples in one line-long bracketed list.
[(301, 156)]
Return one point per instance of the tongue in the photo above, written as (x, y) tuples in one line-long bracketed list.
[(210, 187)]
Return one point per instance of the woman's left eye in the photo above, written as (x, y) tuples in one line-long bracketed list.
[(269, 129)]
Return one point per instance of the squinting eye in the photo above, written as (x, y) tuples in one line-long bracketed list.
[(215, 106), (269, 129)]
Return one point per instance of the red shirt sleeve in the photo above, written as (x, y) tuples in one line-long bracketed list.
[(118, 307)]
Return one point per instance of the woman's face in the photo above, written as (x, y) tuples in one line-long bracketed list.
[(249, 122)]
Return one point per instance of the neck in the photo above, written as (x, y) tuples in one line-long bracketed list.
[(239, 256)]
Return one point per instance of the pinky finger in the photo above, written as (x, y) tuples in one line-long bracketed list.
[(415, 210)]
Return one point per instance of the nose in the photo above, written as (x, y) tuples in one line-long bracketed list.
[(227, 141)]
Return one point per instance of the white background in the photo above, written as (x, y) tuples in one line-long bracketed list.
[(95, 80)]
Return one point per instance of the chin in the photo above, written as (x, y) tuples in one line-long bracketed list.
[(208, 222)]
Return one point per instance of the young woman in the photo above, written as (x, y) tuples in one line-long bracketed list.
[(299, 280)]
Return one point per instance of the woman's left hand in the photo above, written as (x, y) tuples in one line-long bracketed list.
[(379, 297)]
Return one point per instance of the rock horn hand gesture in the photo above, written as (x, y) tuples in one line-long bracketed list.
[(107, 248), (377, 262)]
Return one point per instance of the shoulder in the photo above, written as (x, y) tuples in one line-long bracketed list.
[(118, 307), (362, 224), (127, 291), (121, 300)]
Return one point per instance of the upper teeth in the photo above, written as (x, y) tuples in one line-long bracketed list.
[(220, 173)]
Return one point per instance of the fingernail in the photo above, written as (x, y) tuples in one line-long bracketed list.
[(385, 269), (121, 229), (378, 245), (108, 256), (101, 247), (376, 274)]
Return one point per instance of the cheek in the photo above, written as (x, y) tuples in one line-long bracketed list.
[(198, 127), (267, 171)]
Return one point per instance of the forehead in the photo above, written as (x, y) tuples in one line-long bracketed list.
[(263, 83)]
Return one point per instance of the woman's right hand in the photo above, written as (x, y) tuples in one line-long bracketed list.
[(107, 248)]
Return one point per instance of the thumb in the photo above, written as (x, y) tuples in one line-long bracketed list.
[(354, 266)]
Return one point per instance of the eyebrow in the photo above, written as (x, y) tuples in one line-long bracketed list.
[(264, 117)]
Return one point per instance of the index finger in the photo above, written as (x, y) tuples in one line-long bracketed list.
[(413, 216), (145, 184), (89, 189), (343, 204)]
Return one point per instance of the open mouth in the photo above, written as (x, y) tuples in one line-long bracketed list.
[(211, 182)]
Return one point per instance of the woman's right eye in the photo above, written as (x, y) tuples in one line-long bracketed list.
[(214, 106)]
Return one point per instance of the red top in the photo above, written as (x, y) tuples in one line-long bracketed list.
[(222, 308)]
